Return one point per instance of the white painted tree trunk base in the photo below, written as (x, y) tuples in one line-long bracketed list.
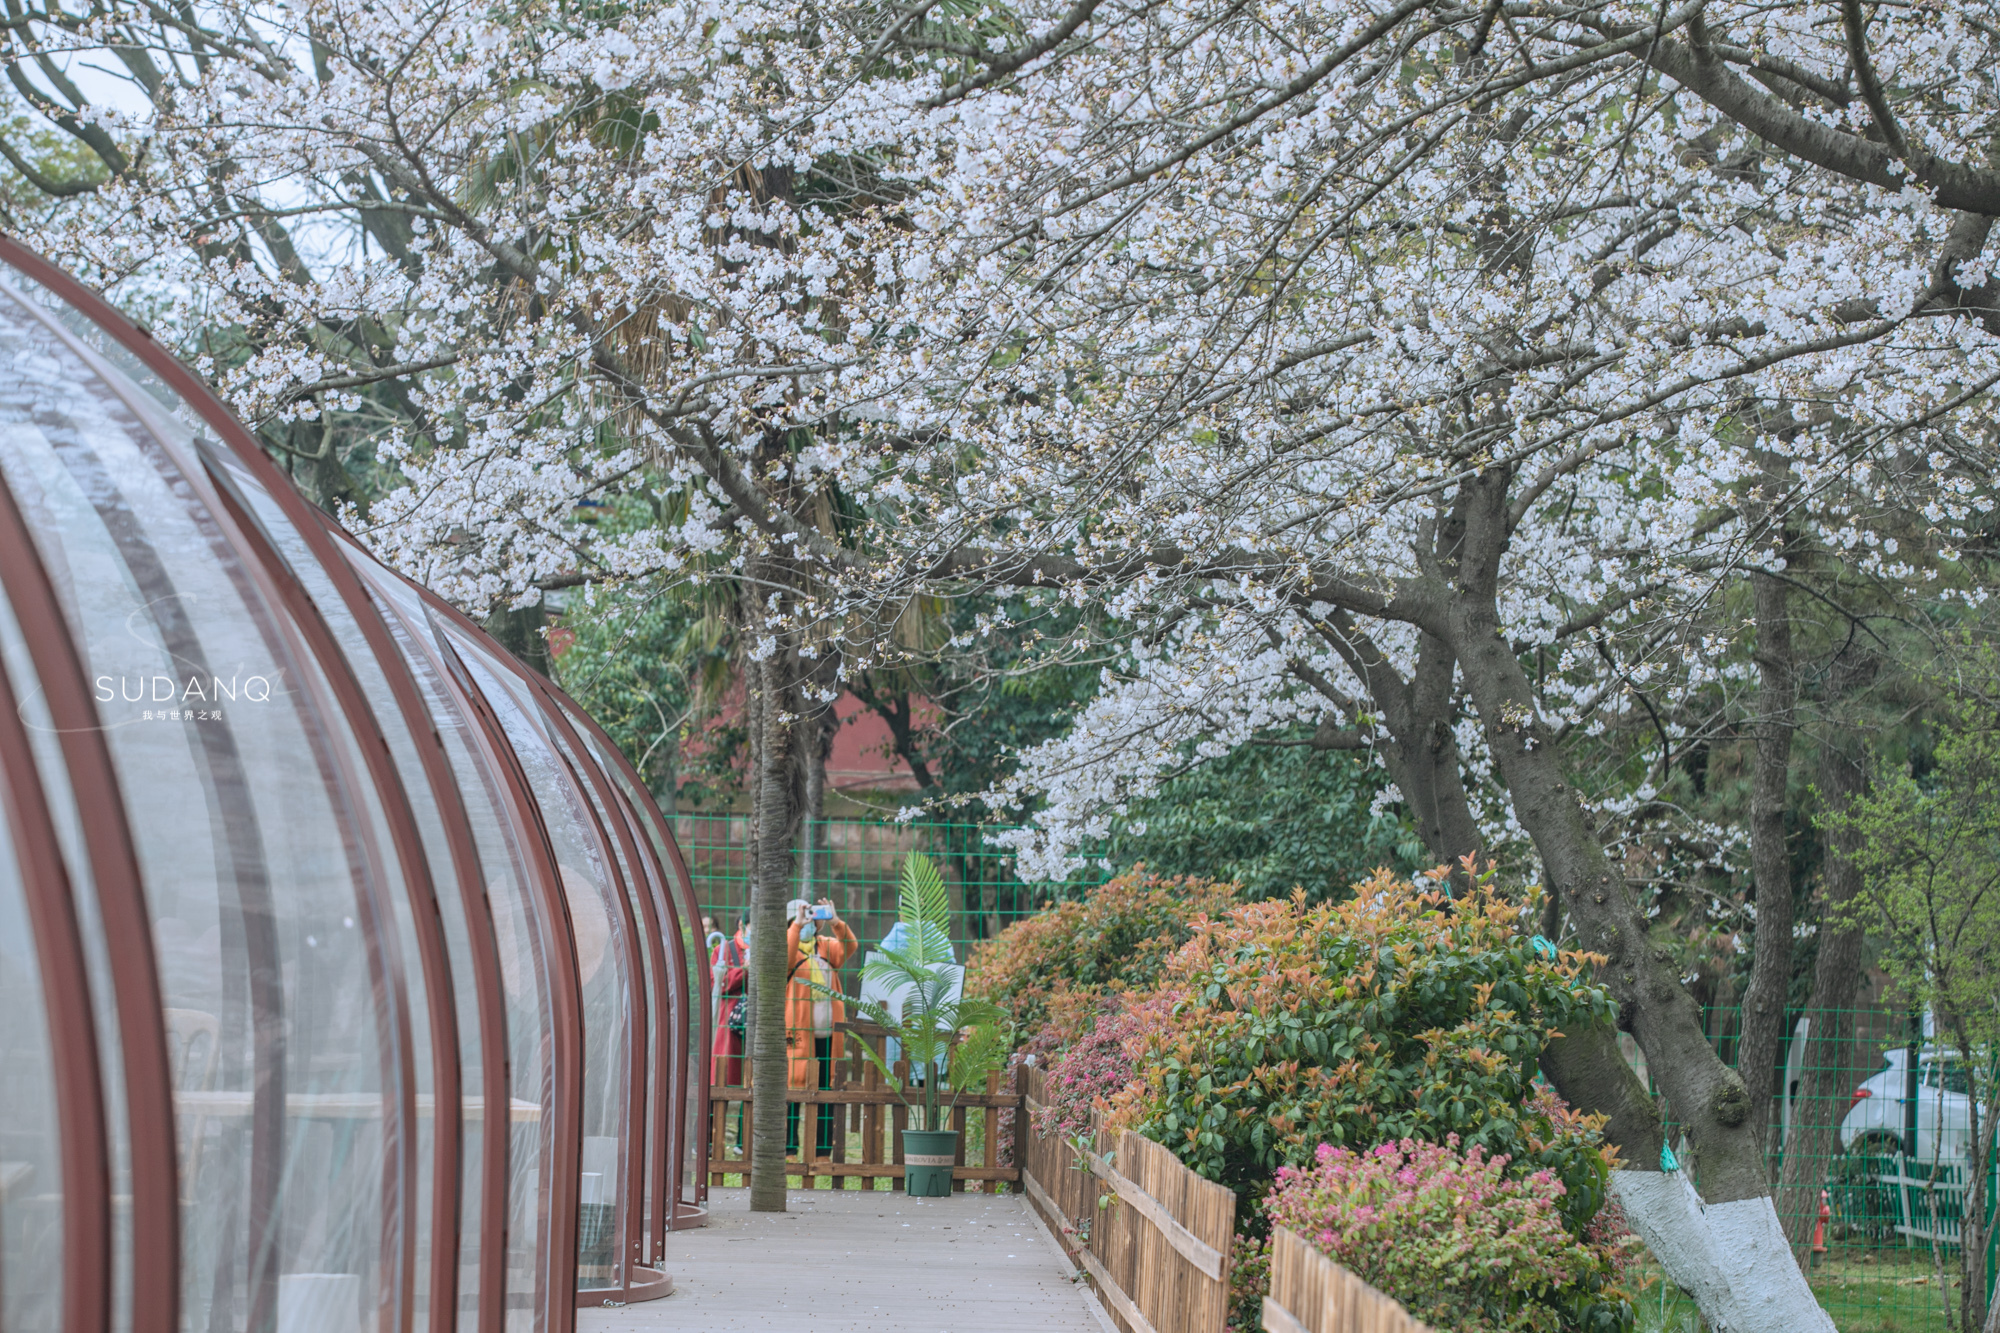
[(1731, 1257)]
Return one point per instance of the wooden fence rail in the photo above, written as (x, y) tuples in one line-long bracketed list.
[(1310, 1293), (868, 1138), (1157, 1248)]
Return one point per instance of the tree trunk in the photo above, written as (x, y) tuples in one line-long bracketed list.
[(1586, 1067), (1422, 754), (520, 633), (1728, 1248), (777, 789), (1590, 1072), (1973, 1309), (1992, 1324), (1770, 858), (1982, 1138), (1828, 1077), (811, 836)]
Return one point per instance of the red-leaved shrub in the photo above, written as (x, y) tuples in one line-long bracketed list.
[(1052, 971), (1099, 1064)]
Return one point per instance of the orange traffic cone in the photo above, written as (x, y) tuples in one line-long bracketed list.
[(1819, 1231)]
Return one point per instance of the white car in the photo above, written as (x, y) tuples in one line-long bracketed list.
[(1875, 1123)]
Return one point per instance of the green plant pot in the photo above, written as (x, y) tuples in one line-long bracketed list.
[(927, 1159)]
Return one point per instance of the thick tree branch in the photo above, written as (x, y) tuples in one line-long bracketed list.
[(1856, 27), (48, 185), (1952, 184)]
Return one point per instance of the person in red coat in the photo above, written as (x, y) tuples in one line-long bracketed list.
[(731, 969)]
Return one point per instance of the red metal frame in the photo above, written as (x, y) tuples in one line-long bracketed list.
[(602, 810), (649, 889), (426, 918), (633, 1191), (656, 1283), (667, 1038), (114, 869), (496, 1092), (277, 587), (494, 755), (447, 1128), (677, 884), (561, 1193), (72, 1029)]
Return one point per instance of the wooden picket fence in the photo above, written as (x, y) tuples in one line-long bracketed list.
[(872, 1113), (1153, 1236), (1310, 1293)]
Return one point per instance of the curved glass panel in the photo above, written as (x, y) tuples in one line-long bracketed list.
[(675, 1120), (631, 884), (684, 916), (520, 938), (261, 857), (53, 775), (31, 1192), (665, 1128), (291, 546), (601, 946), (272, 746)]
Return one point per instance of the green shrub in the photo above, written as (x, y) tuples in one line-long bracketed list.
[(1395, 1014), (1060, 963), (1280, 1028), (1271, 819)]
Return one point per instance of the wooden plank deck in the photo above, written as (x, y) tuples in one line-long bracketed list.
[(864, 1261)]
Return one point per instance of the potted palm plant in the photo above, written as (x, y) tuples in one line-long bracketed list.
[(941, 1030)]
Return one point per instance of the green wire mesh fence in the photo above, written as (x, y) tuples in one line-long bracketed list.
[(856, 862), (1882, 1170), (1883, 1257)]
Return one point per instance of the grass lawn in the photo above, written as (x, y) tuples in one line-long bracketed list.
[(1866, 1290)]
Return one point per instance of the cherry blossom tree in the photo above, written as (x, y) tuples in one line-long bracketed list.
[(1359, 361), (1416, 372), (525, 260)]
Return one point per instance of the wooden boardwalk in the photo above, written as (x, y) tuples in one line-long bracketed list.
[(864, 1261)]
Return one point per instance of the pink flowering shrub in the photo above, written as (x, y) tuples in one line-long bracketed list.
[(1098, 1065), (1458, 1242)]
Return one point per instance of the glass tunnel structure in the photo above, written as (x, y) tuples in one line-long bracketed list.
[(349, 977)]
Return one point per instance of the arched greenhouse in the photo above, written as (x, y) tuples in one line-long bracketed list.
[(349, 974)]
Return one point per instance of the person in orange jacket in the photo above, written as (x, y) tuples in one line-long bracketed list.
[(817, 943)]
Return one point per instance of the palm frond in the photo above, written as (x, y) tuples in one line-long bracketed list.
[(925, 909), (983, 1051)]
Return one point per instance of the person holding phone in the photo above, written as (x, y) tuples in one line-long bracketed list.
[(818, 943)]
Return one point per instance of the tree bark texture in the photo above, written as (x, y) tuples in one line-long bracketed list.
[(1730, 1256), (1586, 1067), (812, 870), (1978, 1208), (778, 792), (1770, 858), (1974, 1311), (519, 630), (1828, 1076), (1422, 754), (1725, 1245)]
